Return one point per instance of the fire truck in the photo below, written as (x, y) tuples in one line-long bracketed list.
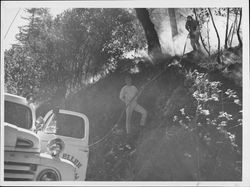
[(73, 129), (53, 148)]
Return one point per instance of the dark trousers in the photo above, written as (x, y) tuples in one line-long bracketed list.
[(194, 40)]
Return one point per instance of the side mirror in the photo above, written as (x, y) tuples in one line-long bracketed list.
[(56, 110), (39, 123), (30, 98)]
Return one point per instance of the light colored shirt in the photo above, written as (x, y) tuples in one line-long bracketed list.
[(128, 93)]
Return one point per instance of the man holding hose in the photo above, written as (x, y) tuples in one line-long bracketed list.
[(192, 27), (129, 94)]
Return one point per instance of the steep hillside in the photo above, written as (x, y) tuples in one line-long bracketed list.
[(165, 149)]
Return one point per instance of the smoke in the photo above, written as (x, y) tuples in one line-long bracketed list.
[(174, 46)]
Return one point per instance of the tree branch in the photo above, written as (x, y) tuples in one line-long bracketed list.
[(238, 30), (226, 29)]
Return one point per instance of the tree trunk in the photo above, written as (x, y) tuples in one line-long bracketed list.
[(154, 46), (238, 30), (234, 26), (29, 39), (208, 40), (218, 37), (202, 41), (173, 23), (229, 34), (31, 24), (226, 29)]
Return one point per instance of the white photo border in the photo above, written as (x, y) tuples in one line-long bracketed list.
[(145, 4)]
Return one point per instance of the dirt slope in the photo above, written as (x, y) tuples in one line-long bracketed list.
[(163, 152)]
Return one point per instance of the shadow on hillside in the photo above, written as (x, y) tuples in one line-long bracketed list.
[(164, 151)]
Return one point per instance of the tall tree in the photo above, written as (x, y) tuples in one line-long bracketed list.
[(173, 22), (225, 46), (154, 47), (22, 73), (238, 30), (202, 40), (217, 34), (234, 26)]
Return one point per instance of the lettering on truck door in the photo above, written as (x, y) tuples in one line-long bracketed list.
[(73, 129)]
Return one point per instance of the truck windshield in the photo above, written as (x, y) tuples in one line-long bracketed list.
[(17, 114)]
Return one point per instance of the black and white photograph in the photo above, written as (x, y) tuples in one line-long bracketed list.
[(132, 93)]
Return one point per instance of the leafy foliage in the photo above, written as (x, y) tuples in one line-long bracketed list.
[(21, 72), (73, 48), (213, 125)]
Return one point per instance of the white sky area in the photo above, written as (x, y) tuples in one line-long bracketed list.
[(9, 13), (10, 8)]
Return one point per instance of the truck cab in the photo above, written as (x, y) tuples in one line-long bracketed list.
[(73, 129), (23, 158)]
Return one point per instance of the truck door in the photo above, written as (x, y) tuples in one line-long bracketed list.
[(73, 129)]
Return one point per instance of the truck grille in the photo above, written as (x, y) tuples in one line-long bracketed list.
[(14, 171)]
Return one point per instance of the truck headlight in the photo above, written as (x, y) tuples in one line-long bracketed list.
[(48, 175), (55, 147)]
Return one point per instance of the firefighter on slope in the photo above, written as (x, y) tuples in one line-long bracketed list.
[(192, 27)]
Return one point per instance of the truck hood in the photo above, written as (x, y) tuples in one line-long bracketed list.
[(19, 139)]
